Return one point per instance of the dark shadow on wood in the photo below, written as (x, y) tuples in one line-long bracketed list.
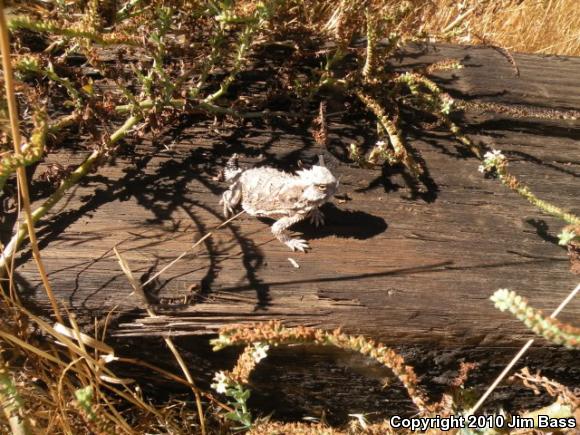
[(532, 127), (307, 381), (345, 224), (529, 158), (542, 230), (436, 267)]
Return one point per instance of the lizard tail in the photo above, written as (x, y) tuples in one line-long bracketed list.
[(232, 169)]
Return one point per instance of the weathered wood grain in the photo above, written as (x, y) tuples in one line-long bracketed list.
[(397, 265), (410, 268)]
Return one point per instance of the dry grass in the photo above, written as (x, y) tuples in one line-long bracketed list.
[(531, 26), (57, 380), (534, 26)]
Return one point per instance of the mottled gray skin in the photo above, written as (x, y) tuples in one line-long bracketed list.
[(269, 192)]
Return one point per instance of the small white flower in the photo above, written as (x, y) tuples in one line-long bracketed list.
[(221, 382), (565, 237), (492, 159), (380, 143), (493, 154), (260, 351), (447, 106)]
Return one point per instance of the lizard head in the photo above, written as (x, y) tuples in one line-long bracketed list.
[(319, 184)]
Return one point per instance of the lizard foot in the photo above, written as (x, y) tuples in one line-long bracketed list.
[(317, 217), (298, 245)]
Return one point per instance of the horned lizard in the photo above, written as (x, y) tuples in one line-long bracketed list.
[(265, 191)]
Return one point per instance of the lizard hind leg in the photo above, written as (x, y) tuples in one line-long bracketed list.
[(231, 199)]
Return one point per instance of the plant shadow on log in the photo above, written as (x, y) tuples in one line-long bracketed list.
[(529, 158), (532, 127), (355, 127), (542, 230), (162, 188), (162, 192)]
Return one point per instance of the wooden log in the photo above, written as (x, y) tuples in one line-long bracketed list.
[(391, 263), (409, 268)]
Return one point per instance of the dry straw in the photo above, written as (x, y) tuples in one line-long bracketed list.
[(21, 170)]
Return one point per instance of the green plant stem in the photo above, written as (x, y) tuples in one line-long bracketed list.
[(521, 352), (62, 123), (201, 106), (549, 328), (275, 334), (326, 78), (126, 11), (245, 42), (216, 54), (514, 184), (49, 72), (55, 29), (31, 154), (394, 133), (23, 192), (435, 104), (11, 161), (12, 403), (83, 169), (369, 65), (66, 83)]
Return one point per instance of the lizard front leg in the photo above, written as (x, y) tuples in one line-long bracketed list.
[(317, 217), (279, 230)]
